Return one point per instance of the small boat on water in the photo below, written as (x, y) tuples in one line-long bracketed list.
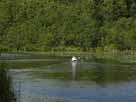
[(74, 59)]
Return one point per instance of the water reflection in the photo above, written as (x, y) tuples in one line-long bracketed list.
[(74, 65), (95, 81), (100, 76)]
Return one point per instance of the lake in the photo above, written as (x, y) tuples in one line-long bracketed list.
[(57, 79)]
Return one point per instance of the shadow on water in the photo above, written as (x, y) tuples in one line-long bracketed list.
[(6, 89)]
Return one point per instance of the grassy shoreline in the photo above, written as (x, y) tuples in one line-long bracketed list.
[(96, 53), (76, 52)]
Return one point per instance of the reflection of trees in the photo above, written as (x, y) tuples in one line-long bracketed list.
[(99, 75), (109, 74), (106, 73), (6, 92)]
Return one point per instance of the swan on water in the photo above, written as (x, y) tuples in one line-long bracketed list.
[(74, 59)]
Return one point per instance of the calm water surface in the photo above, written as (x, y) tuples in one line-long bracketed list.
[(84, 81)]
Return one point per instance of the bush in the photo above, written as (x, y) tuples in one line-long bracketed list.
[(6, 91), (4, 48)]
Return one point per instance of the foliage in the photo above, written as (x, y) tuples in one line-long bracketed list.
[(6, 91), (41, 25)]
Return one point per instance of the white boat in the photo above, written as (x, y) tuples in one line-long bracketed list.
[(74, 59)]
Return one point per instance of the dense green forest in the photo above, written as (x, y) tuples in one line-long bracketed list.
[(44, 25)]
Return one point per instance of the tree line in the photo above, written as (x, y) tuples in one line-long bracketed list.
[(42, 25)]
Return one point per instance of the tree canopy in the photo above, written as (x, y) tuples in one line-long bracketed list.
[(42, 25)]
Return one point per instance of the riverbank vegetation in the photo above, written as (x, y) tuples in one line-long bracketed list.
[(67, 25), (6, 89)]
